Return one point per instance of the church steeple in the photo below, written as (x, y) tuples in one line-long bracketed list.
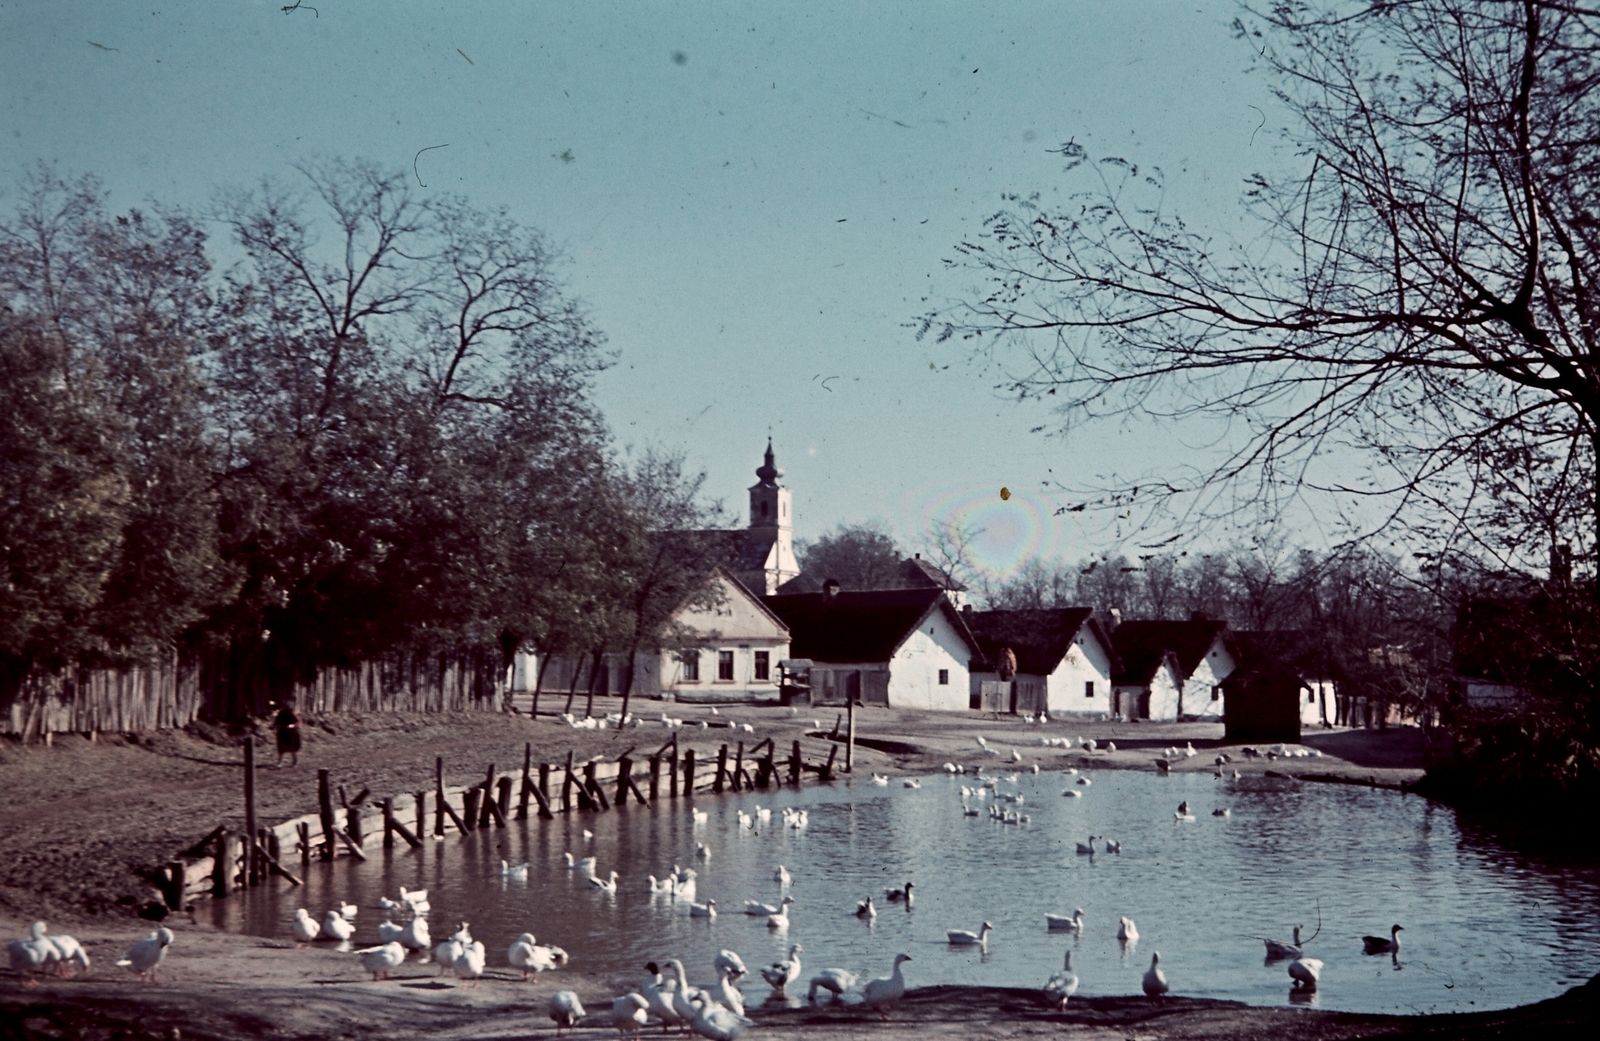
[(772, 523)]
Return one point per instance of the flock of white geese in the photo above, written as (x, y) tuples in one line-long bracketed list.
[(716, 1011)]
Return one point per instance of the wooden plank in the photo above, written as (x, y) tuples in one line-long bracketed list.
[(738, 766), (492, 809), (488, 798), (325, 808), (544, 804), (527, 781), (794, 765), (544, 783), (566, 786), (403, 831), (722, 767), (351, 844), (624, 779), (422, 812), (688, 773), (655, 777), (469, 807), (219, 866), (388, 823), (592, 783), (635, 789), (505, 800)]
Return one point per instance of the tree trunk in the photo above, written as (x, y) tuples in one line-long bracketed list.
[(594, 677), (538, 682)]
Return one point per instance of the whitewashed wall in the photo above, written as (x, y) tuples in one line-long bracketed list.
[(914, 669)]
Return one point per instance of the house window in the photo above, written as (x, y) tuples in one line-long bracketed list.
[(763, 669), (691, 666), (1088, 688), (944, 677), (1216, 693), (724, 665), (1311, 699)]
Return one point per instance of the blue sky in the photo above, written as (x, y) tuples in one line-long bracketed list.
[(754, 200)]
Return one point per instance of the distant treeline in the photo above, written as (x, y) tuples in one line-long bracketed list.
[(361, 428)]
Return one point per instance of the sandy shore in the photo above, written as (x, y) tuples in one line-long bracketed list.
[(81, 820)]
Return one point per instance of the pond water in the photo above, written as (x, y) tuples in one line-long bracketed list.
[(1485, 927)]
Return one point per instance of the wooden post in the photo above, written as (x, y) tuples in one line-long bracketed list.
[(837, 716), (655, 777), (544, 804), (271, 860), (566, 787), (488, 797), (304, 830), (492, 811), (250, 797), (422, 812), (850, 745), (544, 781), (273, 852), (624, 778), (505, 800), (219, 866), (769, 770), (672, 772), (388, 823), (527, 781), (351, 846), (722, 766), (469, 807), (738, 766), (634, 788), (325, 806), (794, 765), (688, 774), (352, 816), (405, 833), (593, 786), (827, 771), (177, 883)]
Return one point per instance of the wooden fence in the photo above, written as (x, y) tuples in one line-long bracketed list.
[(181, 690)]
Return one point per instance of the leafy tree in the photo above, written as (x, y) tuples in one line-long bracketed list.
[(858, 556)]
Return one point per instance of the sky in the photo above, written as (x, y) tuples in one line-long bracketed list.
[(755, 201)]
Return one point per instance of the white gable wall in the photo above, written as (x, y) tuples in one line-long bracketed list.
[(914, 669), (1205, 681), (739, 625), (1158, 701), (1085, 662)]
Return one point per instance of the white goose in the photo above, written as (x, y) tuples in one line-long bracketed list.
[(883, 992), (1305, 972), (1062, 985), (726, 993), (782, 876), (31, 955), (782, 973), (630, 1013), (415, 935), (1064, 924), (334, 927), (145, 956), (658, 996), (414, 896), (756, 907), (69, 950), (470, 963), (834, 981), (565, 1010), (388, 906), (348, 912), (1277, 950), (702, 851), (515, 872), (446, 952), (379, 960), (781, 919), (388, 932), (712, 1021), (705, 910), (606, 885), (304, 927), (682, 993), (864, 909), (968, 938), (881, 780), (1127, 932), (1086, 849), (1155, 981), (729, 962)]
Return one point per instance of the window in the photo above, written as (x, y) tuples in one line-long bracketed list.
[(1088, 689), (1216, 693), (763, 510), (1311, 699), (724, 665), (691, 666), (763, 667), (944, 677)]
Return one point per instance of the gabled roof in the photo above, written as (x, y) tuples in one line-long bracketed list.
[(1137, 641), (1039, 638), (738, 549), (1138, 668), (860, 627), (1299, 649), (917, 573)]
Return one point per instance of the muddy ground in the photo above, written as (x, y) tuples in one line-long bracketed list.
[(80, 821)]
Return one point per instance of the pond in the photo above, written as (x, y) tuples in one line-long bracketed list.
[(1484, 926)]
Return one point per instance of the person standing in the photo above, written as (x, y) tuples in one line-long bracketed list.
[(287, 725)]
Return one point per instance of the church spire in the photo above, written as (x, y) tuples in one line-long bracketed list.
[(767, 473)]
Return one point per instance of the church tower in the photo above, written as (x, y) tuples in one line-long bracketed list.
[(772, 526)]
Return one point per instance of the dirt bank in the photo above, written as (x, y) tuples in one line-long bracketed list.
[(220, 985), (81, 820)]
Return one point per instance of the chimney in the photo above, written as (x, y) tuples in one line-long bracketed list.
[(966, 609), (1116, 616), (830, 589), (1560, 564)]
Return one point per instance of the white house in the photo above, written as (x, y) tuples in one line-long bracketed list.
[(900, 648), (1202, 658), (726, 652), (1064, 659)]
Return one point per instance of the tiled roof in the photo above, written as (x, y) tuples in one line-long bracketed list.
[(1040, 639), (859, 627), (917, 573)]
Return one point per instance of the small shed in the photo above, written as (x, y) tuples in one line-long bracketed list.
[(1263, 702)]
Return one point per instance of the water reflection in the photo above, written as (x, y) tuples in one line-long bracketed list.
[(1203, 892)]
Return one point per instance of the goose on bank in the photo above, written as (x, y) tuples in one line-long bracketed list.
[(1060, 987), (1155, 981), (566, 1010), (782, 973), (379, 960), (883, 992), (145, 957)]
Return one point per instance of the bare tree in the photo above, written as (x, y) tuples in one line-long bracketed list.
[(1419, 286)]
